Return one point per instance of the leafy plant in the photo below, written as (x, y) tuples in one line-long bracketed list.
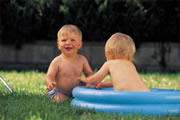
[(152, 20)]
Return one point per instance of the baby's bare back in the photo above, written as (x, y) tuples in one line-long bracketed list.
[(125, 77)]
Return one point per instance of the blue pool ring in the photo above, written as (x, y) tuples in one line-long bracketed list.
[(155, 102)]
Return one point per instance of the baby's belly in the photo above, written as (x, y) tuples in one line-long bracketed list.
[(66, 86)]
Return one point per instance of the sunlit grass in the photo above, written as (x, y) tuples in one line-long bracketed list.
[(166, 81), (31, 102), (26, 82)]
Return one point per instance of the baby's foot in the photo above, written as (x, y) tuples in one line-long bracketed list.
[(59, 97)]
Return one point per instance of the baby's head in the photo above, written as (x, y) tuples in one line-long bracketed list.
[(69, 29), (120, 46), (69, 40)]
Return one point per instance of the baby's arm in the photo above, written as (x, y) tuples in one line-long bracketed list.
[(97, 77), (87, 71), (86, 67), (50, 77)]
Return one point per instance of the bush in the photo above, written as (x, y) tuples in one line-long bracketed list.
[(25, 21)]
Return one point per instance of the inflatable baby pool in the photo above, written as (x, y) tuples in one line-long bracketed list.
[(154, 102)]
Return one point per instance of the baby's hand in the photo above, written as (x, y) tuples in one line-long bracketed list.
[(91, 85), (50, 86), (82, 79), (100, 85), (81, 83), (78, 78)]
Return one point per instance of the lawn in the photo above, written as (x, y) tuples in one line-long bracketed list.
[(30, 101)]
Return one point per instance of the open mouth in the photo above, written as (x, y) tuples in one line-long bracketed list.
[(68, 47)]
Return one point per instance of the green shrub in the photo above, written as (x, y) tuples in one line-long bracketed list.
[(145, 20)]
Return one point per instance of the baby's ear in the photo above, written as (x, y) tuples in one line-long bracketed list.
[(58, 45), (80, 44), (109, 53)]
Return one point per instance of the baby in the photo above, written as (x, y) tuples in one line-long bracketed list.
[(65, 68), (119, 51)]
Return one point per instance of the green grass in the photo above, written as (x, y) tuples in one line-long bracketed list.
[(31, 102)]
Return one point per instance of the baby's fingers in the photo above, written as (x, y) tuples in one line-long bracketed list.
[(91, 85), (50, 87), (53, 84), (79, 78), (99, 86), (47, 89)]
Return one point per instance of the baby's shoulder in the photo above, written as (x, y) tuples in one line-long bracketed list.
[(112, 61), (81, 57), (57, 59)]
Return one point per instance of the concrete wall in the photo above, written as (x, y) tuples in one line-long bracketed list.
[(148, 57)]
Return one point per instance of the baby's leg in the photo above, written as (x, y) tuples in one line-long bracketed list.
[(59, 97)]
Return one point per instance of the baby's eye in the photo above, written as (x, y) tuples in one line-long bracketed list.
[(72, 40), (63, 40)]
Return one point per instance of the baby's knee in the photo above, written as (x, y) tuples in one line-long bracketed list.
[(59, 98)]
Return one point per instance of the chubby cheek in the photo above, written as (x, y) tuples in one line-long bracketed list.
[(60, 46), (79, 45)]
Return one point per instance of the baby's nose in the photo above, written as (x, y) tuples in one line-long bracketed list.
[(68, 41)]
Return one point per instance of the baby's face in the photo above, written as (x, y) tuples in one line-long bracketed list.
[(69, 43)]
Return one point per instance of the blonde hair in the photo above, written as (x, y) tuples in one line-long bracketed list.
[(69, 28), (121, 46)]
